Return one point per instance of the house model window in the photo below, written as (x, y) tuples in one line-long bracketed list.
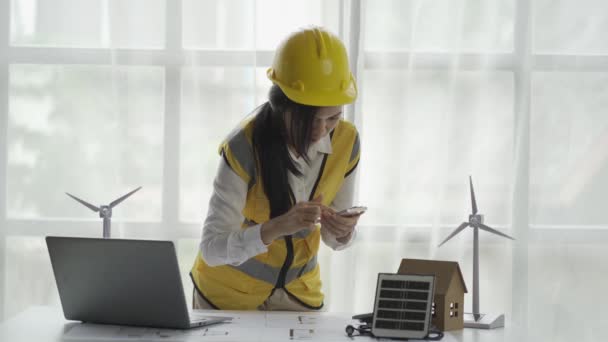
[(453, 309), (449, 290)]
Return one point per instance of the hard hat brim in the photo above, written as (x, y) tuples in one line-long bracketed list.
[(320, 98)]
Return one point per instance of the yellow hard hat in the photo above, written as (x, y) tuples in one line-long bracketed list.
[(311, 67)]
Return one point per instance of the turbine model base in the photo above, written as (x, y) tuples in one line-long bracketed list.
[(486, 321)]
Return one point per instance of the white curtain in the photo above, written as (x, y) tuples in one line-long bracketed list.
[(101, 96)]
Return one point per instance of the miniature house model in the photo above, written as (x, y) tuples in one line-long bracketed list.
[(448, 302)]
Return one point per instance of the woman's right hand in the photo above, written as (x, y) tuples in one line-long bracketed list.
[(303, 215)]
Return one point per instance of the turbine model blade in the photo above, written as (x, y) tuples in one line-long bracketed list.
[(491, 230), (117, 201), (88, 205), (473, 202), (458, 230)]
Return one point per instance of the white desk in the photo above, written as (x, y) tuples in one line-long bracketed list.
[(47, 324)]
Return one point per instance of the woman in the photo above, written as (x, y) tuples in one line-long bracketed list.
[(285, 173)]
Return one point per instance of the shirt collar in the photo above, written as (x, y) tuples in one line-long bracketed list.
[(322, 146)]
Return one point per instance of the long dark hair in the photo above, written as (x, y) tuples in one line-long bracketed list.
[(270, 144)]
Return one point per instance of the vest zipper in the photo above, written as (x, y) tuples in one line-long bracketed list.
[(287, 264), (288, 239)]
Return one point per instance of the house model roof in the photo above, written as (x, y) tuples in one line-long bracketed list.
[(444, 271)]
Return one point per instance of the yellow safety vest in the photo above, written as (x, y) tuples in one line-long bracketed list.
[(290, 263)]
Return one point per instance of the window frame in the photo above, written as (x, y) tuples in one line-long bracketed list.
[(4, 63), (522, 62)]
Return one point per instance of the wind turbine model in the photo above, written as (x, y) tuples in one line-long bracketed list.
[(478, 320), (105, 211)]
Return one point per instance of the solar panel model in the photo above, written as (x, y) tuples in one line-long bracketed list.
[(402, 308)]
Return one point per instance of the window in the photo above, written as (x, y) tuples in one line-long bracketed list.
[(430, 125), (105, 123), (108, 95), (98, 97), (88, 24)]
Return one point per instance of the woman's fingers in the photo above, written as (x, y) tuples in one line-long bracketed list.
[(335, 231), (348, 220), (307, 218), (335, 227), (315, 203), (310, 214), (342, 220)]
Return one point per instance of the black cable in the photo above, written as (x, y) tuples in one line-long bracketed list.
[(366, 330)]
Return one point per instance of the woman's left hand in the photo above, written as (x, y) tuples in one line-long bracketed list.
[(339, 226)]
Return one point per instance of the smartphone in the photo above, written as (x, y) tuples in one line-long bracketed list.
[(352, 211)]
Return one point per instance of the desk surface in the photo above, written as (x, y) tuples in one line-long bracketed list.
[(47, 324)]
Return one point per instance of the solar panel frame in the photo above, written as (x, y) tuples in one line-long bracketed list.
[(398, 311)]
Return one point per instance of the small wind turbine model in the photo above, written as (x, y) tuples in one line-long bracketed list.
[(478, 320), (105, 211)]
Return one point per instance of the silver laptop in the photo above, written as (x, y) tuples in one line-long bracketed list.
[(124, 282)]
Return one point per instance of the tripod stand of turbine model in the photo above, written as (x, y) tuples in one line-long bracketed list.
[(105, 211), (477, 319)]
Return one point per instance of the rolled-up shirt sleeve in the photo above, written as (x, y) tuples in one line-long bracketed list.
[(224, 241)]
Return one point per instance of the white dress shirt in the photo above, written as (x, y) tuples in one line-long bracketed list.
[(224, 242)]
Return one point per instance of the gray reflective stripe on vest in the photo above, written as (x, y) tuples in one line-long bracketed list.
[(269, 274), (294, 273), (355, 151), (243, 153)]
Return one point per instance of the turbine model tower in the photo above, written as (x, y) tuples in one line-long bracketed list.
[(105, 211), (478, 320)]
